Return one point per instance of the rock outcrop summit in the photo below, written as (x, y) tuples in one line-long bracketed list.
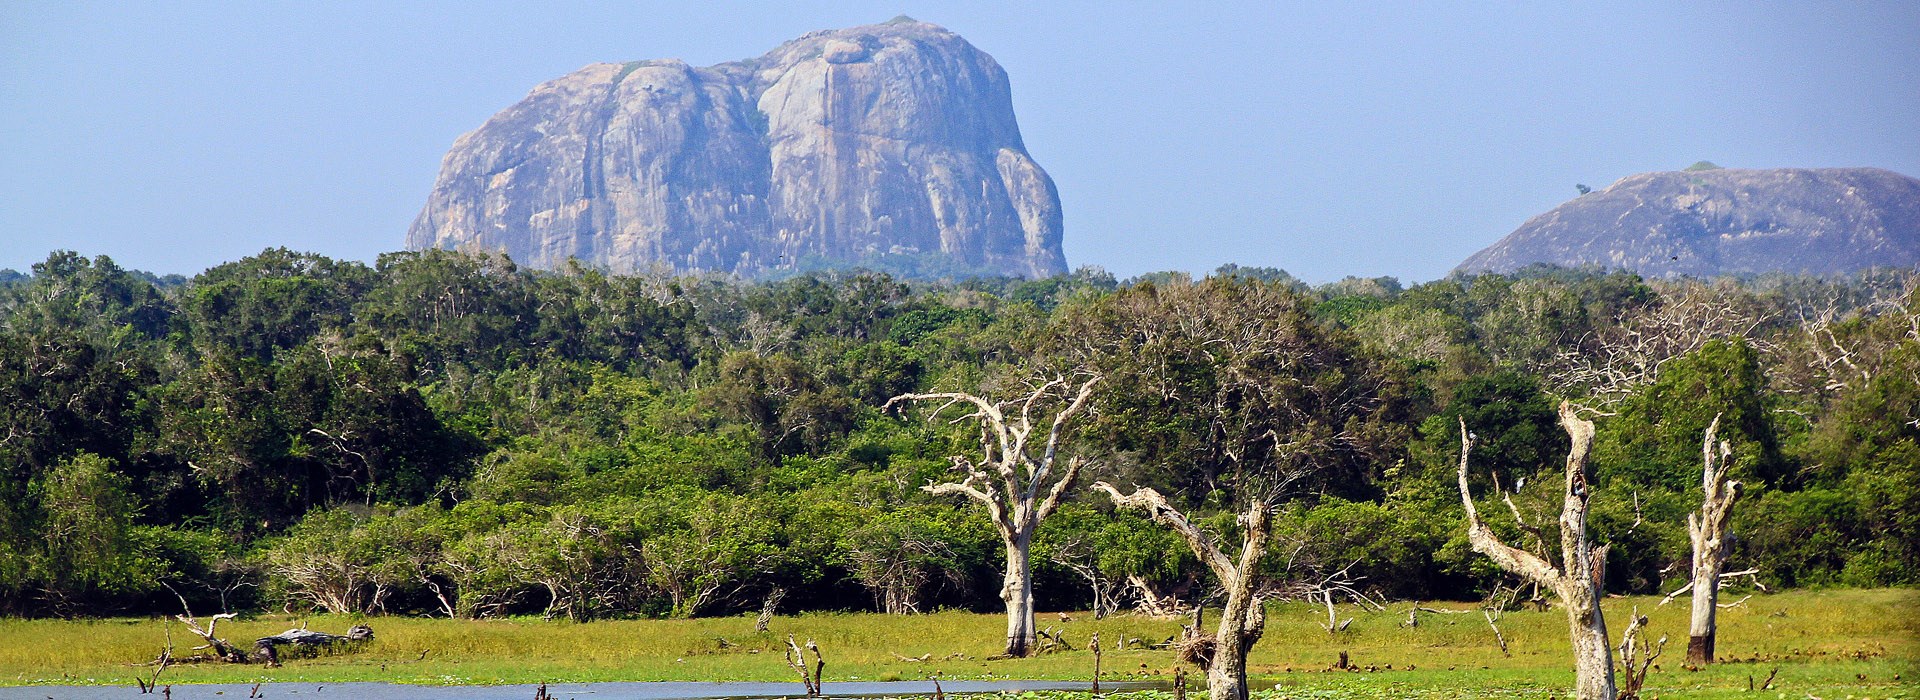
[(1708, 221), (839, 147)]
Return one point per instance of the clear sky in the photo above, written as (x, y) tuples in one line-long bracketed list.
[(1377, 139)]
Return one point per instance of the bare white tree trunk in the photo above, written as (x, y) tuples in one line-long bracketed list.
[(1701, 625), (1708, 530), (1017, 488), (1578, 580), (1016, 589), (1244, 619), (1592, 652), (1242, 622)]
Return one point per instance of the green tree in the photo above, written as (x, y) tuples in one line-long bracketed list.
[(273, 301), (332, 562), (445, 307), (1861, 495), (93, 298), (1513, 420), (1218, 380), (711, 546), (91, 544), (1108, 550), (789, 410), (1655, 439)]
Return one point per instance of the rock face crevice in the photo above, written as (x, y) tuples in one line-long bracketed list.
[(839, 146), (1725, 222)]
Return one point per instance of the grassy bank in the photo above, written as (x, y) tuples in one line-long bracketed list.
[(1863, 643)]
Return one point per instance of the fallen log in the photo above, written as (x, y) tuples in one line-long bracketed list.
[(305, 641)]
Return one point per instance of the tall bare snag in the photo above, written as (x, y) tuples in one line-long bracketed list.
[(1577, 581), (1244, 619), (1708, 530)]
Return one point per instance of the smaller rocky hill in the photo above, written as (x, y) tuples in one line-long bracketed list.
[(1709, 222)]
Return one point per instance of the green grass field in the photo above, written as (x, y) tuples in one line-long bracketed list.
[(1826, 644)]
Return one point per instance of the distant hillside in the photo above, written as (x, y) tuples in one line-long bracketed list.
[(1706, 222), (888, 142)]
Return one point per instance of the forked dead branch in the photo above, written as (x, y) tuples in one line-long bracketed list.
[(1243, 616), (1578, 580), (1637, 656), (266, 650), (797, 659)]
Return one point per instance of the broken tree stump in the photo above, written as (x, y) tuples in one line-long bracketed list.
[(1095, 646), (767, 608), (798, 660)]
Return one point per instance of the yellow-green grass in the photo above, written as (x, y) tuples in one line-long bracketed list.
[(1836, 643)]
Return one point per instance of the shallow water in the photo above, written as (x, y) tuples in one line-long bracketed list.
[(561, 691)]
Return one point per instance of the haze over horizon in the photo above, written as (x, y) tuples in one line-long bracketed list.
[(1324, 141)]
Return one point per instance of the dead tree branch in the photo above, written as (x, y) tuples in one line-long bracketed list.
[(1577, 581), (220, 648), (797, 659), (1636, 656), (1015, 479), (1243, 620)]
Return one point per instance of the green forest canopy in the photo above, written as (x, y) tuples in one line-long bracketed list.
[(446, 434)]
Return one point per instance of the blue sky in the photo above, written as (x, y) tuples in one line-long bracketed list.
[(1375, 139)]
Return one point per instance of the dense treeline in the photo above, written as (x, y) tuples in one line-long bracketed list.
[(445, 434)]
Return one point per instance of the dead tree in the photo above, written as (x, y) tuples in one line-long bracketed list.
[(1501, 598), (1081, 555), (1051, 640), (768, 606), (798, 660), (1632, 351), (1334, 624), (896, 562), (1636, 656), (1150, 601), (1018, 487), (1824, 358), (1300, 579), (1708, 530), (1577, 581), (1094, 645), (265, 649), (1244, 619), (165, 659), (220, 648)]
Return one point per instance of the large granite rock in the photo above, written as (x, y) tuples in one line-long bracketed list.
[(1720, 221), (837, 147)]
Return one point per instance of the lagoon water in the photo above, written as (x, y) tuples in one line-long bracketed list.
[(561, 691)]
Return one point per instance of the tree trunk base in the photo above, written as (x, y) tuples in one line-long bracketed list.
[(1700, 650)]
